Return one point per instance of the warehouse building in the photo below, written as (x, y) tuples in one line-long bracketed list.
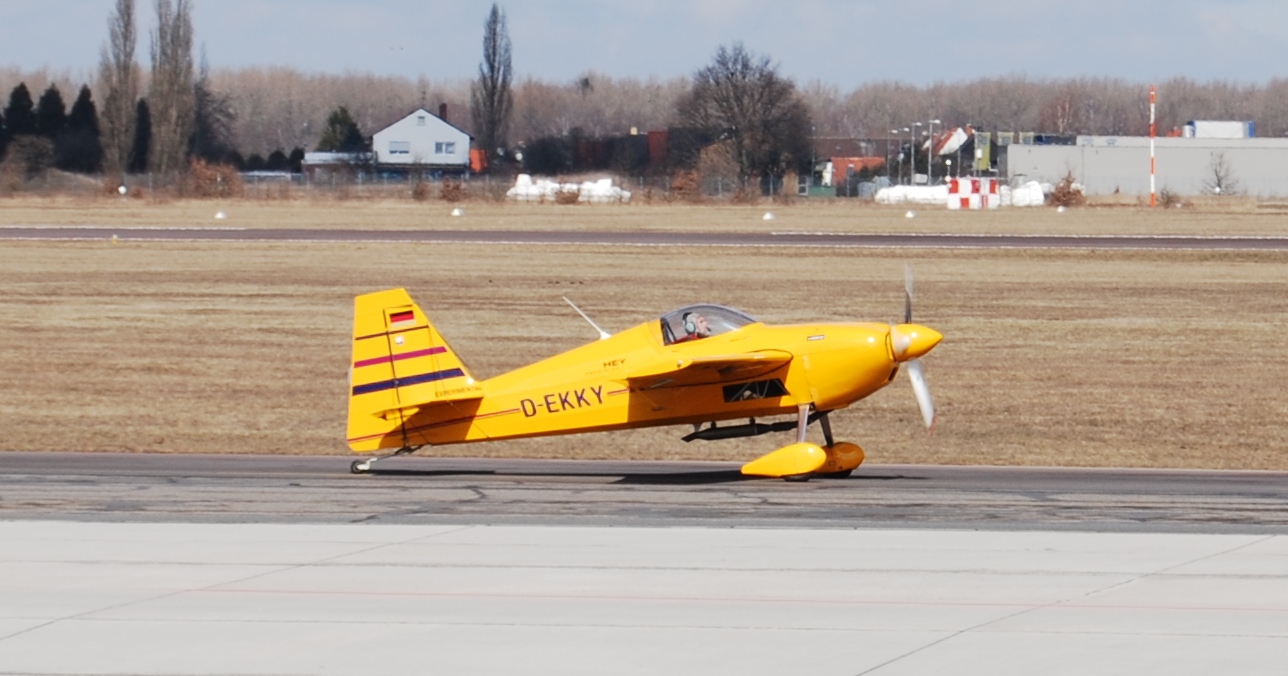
[(1191, 165)]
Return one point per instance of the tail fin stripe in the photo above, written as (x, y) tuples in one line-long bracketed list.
[(407, 381), (398, 357)]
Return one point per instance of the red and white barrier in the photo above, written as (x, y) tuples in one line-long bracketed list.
[(974, 193)]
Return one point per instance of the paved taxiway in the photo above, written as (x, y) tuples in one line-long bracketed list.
[(650, 238), (183, 564), (426, 490)]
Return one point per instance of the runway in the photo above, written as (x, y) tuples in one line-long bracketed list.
[(650, 238), (320, 489)]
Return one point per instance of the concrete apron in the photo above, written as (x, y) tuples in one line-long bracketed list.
[(91, 598)]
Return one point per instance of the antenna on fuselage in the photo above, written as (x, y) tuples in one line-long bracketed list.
[(602, 333)]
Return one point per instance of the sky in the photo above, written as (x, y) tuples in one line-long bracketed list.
[(839, 42)]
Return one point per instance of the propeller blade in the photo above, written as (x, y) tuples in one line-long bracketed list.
[(907, 293), (918, 377)]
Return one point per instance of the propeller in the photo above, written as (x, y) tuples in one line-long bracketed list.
[(917, 375), (907, 293), (909, 341)]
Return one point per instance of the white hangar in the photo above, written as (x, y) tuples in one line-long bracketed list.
[(1186, 166)]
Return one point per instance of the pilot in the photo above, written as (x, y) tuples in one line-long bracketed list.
[(695, 327)]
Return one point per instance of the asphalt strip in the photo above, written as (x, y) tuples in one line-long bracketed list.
[(653, 238)]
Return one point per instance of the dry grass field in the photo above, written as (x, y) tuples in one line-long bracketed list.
[(1213, 217), (1150, 359)]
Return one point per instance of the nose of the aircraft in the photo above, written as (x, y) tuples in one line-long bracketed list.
[(910, 341)]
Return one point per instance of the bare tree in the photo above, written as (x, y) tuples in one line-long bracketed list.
[(1062, 113), (119, 78), (741, 97), (490, 96), (1220, 178), (171, 96)]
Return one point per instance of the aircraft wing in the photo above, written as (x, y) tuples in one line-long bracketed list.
[(685, 371)]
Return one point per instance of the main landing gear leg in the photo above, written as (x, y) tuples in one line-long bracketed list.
[(827, 429), (364, 466)]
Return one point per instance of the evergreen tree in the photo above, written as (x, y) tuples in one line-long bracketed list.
[(84, 114), (341, 134), (277, 161), (212, 120), (4, 137), (296, 160), (79, 147), (142, 146), (20, 114), (51, 113)]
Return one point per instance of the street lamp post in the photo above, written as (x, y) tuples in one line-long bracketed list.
[(912, 148), (901, 155), (889, 164), (930, 155), (813, 161)]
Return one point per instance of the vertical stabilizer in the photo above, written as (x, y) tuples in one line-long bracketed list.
[(400, 363)]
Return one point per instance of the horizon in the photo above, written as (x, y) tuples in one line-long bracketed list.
[(1238, 41)]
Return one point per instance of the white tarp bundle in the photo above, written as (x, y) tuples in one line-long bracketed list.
[(526, 189), (913, 194), (1028, 195)]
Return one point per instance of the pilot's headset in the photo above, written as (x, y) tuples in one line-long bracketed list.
[(689, 327)]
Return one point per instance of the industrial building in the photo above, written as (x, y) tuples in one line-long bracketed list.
[(1187, 166)]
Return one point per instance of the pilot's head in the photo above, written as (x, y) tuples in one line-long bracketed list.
[(696, 325)]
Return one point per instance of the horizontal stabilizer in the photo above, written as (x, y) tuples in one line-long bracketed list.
[(400, 365), (686, 371), (408, 409)]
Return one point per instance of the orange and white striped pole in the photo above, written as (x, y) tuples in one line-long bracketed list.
[(1153, 131)]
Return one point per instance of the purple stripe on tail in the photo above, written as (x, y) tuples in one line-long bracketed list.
[(407, 381), (399, 357)]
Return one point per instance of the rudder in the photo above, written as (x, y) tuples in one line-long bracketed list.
[(400, 363)]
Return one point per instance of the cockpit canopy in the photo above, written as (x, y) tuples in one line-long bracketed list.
[(700, 321)]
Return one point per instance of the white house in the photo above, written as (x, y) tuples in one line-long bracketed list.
[(421, 141)]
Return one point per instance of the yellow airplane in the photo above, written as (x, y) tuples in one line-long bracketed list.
[(698, 365)]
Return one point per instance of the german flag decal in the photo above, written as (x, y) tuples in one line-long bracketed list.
[(398, 320)]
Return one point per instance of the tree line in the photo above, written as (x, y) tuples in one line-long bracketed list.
[(178, 109), (160, 128), (284, 107)]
